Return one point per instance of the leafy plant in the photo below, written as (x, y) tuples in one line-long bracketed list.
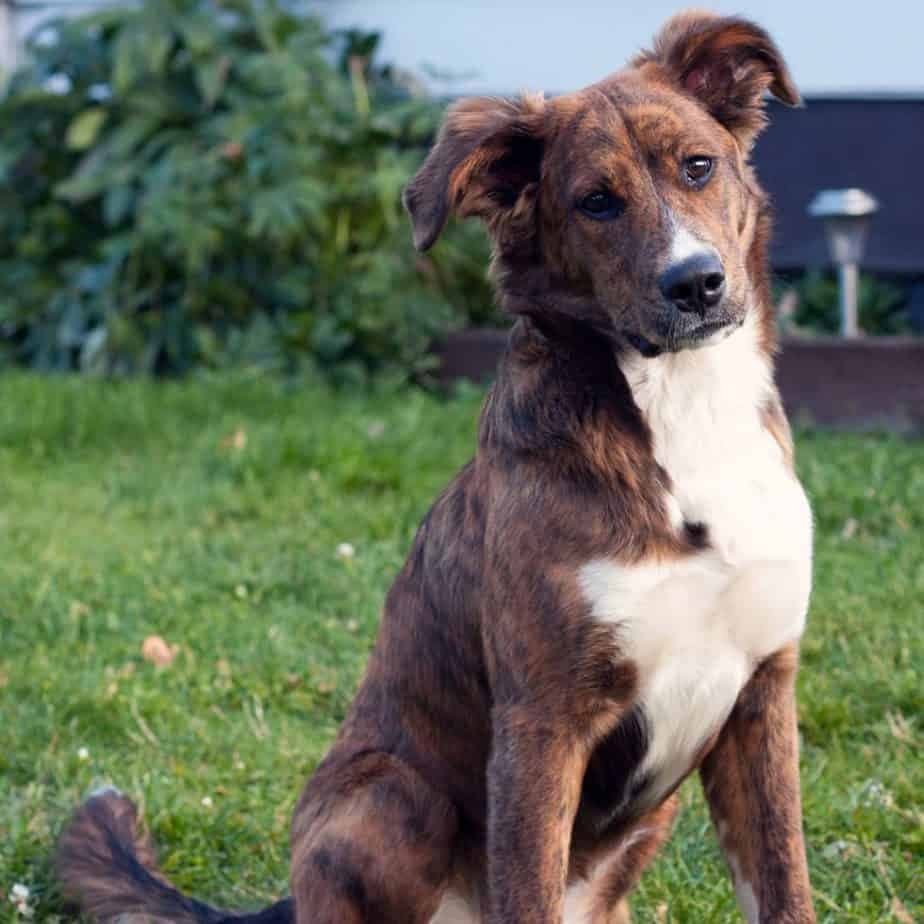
[(881, 306), (195, 181)]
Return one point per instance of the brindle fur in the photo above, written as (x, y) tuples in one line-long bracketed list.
[(490, 740), (755, 801)]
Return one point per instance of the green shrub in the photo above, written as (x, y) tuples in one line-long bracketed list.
[(202, 182), (881, 306)]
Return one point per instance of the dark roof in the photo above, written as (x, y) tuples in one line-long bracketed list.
[(875, 143)]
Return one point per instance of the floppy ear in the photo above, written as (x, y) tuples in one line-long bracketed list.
[(487, 156), (727, 64)]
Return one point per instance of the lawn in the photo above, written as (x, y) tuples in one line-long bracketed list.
[(213, 513)]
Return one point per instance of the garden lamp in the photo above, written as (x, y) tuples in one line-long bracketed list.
[(846, 214)]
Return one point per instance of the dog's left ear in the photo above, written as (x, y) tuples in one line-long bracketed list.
[(727, 64)]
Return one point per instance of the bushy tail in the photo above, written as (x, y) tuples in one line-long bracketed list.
[(107, 866)]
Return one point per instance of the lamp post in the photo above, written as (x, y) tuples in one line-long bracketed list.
[(846, 214)]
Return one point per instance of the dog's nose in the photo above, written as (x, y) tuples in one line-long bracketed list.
[(695, 284)]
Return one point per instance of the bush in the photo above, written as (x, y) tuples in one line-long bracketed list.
[(202, 182), (881, 306)]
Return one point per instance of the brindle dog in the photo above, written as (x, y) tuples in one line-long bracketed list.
[(610, 595)]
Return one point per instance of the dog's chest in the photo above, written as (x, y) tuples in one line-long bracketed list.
[(697, 626)]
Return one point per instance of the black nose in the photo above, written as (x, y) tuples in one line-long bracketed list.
[(697, 284)]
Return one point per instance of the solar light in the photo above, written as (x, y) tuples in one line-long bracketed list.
[(846, 214)]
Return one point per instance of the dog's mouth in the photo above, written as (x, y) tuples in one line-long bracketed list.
[(684, 334)]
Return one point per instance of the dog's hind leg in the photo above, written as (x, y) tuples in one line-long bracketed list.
[(632, 855), (371, 844), (601, 896)]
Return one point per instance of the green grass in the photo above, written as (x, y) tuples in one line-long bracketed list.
[(127, 510)]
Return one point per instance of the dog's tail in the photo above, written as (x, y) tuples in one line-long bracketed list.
[(106, 865)]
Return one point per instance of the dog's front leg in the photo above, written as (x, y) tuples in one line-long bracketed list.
[(534, 783), (751, 781)]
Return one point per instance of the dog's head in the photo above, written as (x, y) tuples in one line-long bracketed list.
[(631, 202)]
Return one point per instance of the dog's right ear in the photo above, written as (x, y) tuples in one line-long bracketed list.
[(487, 156)]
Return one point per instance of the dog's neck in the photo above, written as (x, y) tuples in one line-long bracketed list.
[(565, 383), (705, 410), (729, 376)]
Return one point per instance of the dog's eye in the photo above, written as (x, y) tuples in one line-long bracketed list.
[(602, 205), (697, 169)]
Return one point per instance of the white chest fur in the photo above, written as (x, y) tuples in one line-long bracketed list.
[(697, 627)]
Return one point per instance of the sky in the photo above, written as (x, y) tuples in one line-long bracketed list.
[(505, 46)]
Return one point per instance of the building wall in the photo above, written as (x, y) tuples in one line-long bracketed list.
[(17, 21), (7, 37)]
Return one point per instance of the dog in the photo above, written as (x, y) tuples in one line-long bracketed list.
[(611, 594)]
